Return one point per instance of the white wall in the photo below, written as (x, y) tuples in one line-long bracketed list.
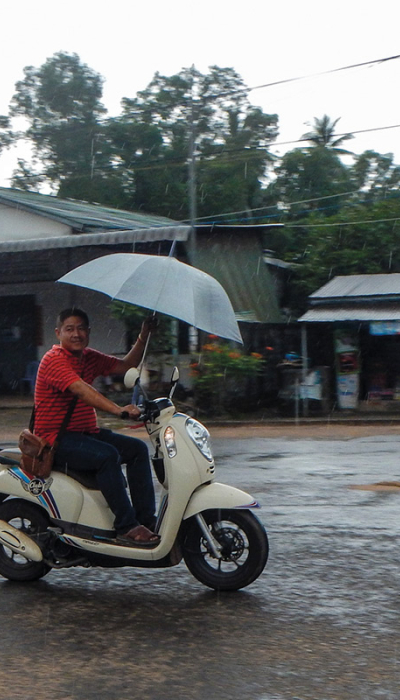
[(21, 225)]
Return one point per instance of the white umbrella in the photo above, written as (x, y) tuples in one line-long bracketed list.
[(161, 284)]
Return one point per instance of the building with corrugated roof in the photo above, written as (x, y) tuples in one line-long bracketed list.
[(42, 237), (364, 310)]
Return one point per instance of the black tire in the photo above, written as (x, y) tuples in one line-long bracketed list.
[(244, 554), (31, 519)]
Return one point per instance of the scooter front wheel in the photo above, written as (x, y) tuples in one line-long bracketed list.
[(242, 543), (28, 518)]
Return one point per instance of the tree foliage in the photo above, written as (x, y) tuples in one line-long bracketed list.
[(340, 213), (139, 159), (307, 180), (5, 133), (231, 139), (323, 135), (61, 101)]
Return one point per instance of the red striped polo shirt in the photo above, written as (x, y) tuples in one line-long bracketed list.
[(57, 371)]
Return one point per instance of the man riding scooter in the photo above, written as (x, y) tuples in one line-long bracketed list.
[(66, 371)]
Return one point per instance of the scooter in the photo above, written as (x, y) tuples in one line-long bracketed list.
[(64, 520)]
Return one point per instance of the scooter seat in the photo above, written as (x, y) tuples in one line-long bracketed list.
[(10, 456), (87, 479)]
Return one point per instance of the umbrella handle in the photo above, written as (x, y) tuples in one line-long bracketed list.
[(141, 364), (154, 314)]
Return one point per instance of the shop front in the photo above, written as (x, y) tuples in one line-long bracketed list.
[(358, 316)]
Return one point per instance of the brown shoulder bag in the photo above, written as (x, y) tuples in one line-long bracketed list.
[(37, 455)]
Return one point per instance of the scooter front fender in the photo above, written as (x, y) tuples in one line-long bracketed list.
[(217, 495)]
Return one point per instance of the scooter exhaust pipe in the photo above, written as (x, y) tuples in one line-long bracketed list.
[(19, 542)]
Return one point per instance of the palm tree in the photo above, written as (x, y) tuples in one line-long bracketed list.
[(323, 135)]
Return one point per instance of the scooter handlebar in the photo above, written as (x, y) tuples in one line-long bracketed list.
[(148, 411), (124, 415)]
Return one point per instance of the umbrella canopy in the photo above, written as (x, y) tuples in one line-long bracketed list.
[(161, 284)]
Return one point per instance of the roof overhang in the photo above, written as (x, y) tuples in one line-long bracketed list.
[(159, 233), (349, 312)]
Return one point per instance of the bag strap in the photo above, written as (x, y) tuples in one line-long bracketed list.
[(65, 422), (67, 418)]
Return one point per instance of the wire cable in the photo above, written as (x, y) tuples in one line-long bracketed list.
[(343, 223), (311, 75)]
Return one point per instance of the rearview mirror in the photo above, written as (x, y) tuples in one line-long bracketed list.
[(175, 375), (131, 377)]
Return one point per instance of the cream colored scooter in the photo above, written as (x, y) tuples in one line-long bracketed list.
[(64, 521)]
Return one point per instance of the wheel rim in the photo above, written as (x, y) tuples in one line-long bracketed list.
[(235, 547)]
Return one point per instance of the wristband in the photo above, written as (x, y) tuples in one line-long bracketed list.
[(141, 339)]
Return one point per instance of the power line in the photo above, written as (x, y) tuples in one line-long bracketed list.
[(310, 75), (280, 214), (273, 206), (246, 154), (359, 131), (343, 223)]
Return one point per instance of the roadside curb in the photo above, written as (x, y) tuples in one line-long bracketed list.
[(336, 419)]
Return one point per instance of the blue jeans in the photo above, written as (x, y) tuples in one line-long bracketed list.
[(103, 453)]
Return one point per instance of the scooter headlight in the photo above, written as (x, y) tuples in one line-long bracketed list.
[(169, 439), (200, 436)]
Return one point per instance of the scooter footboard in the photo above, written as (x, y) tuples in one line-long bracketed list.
[(217, 495)]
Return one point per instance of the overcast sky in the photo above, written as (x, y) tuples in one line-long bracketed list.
[(127, 41)]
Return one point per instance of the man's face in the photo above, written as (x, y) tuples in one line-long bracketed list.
[(73, 334)]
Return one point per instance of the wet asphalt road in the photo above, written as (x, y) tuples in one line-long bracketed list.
[(321, 623)]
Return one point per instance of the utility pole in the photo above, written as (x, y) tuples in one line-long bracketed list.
[(192, 176)]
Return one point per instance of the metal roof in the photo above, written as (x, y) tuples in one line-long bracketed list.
[(359, 286), (81, 216), (352, 312), (237, 263)]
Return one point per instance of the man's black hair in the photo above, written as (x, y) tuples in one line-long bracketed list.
[(72, 311)]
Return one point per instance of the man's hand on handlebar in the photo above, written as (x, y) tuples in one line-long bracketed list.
[(131, 411)]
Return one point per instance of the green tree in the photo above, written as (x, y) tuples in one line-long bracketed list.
[(308, 180), (5, 133), (62, 102), (323, 135), (133, 316), (375, 176), (311, 178), (153, 134), (361, 239)]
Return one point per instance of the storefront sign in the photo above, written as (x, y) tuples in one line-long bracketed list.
[(384, 328), (347, 368)]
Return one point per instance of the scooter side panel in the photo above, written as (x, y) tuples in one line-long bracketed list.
[(217, 495), (95, 511), (59, 495), (62, 497)]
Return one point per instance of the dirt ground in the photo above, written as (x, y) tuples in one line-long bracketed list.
[(13, 420), (315, 431)]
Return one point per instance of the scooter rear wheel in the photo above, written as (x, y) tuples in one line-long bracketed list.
[(244, 550), (30, 519)]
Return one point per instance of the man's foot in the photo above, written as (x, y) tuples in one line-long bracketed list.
[(139, 536)]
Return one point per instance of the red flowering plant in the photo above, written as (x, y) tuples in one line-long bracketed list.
[(222, 374)]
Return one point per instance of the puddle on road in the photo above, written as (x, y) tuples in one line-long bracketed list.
[(392, 486), (272, 455)]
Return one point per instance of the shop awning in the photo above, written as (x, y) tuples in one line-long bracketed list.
[(158, 233), (357, 312)]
